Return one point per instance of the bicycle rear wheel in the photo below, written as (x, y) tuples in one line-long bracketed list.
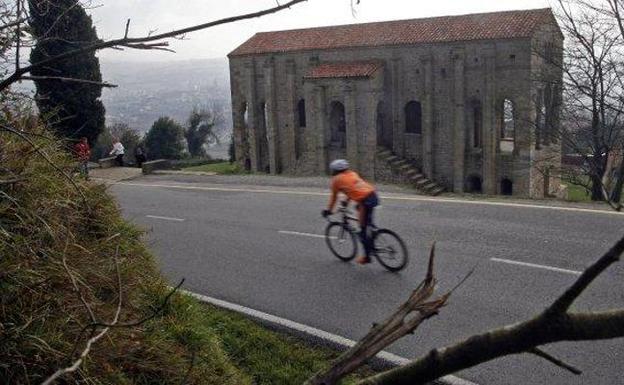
[(390, 250), (341, 241)]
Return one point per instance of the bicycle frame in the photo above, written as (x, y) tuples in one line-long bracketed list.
[(344, 211)]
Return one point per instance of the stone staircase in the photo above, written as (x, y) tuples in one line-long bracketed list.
[(409, 173)]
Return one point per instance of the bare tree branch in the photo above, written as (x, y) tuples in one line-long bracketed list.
[(137, 42), (553, 325)]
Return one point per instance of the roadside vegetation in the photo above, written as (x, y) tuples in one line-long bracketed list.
[(221, 168), (69, 257)]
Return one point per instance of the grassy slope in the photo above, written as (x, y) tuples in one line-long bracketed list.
[(223, 168), (43, 220)]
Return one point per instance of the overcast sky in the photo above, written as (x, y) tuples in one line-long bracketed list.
[(164, 15)]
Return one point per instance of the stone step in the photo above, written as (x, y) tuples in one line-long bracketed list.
[(384, 152), (392, 158), (422, 182), (411, 172), (417, 178), (437, 191), (406, 167), (400, 163)]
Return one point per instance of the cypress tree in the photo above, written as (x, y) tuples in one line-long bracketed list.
[(73, 109)]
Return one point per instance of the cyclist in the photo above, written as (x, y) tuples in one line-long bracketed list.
[(356, 189)]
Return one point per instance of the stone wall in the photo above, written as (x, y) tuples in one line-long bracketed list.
[(448, 80)]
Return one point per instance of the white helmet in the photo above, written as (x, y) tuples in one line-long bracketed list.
[(339, 165)]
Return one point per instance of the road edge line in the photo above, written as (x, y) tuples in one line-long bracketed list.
[(346, 343)]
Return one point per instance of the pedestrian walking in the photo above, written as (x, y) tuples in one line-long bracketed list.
[(118, 152), (139, 155), (83, 153)]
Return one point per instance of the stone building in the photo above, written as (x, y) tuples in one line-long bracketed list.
[(462, 103)]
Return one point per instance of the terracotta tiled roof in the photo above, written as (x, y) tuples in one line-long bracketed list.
[(343, 70), (496, 25)]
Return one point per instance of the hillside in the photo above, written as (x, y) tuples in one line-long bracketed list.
[(149, 90)]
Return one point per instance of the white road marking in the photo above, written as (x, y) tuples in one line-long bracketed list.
[(385, 197), (301, 234), (551, 268), (165, 218), (336, 339)]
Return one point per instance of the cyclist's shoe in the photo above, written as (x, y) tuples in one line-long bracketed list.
[(363, 260)]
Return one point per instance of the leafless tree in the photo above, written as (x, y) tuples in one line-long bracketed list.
[(592, 105)]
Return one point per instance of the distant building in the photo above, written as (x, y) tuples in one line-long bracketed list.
[(465, 103)]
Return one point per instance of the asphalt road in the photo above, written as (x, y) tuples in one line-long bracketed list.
[(240, 245)]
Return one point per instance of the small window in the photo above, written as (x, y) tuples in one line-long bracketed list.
[(301, 113), (512, 57), (413, 117)]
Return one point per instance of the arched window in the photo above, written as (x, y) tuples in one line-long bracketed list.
[(301, 113), (338, 124), (474, 184), (245, 111), (477, 124), (506, 187), (413, 117), (508, 126)]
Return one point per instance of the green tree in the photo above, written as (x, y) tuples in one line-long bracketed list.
[(164, 139), (72, 108), (128, 136), (199, 131)]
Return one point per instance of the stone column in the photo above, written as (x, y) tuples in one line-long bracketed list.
[(369, 135), (427, 118), (351, 124), (252, 115), (289, 137), (459, 129), (490, 134), (320, 119), (272, 131), (398, 126), (238, 121)]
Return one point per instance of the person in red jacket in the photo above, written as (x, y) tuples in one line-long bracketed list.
[(348, 182), (83, 153)]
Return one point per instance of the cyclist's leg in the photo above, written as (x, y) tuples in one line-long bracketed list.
[(366, 209)]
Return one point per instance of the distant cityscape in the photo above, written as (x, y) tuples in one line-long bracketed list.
[(147, 91)]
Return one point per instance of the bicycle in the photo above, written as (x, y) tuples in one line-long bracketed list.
[(388, 248)]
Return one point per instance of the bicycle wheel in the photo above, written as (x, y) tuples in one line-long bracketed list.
[(341, 241), (390, 250)]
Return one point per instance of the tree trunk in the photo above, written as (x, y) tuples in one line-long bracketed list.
[(616, 194)]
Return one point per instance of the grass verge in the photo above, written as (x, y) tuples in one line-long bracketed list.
[(222, 168), (64, 248)]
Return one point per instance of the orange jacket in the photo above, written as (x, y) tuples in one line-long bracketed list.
[(350, 184)]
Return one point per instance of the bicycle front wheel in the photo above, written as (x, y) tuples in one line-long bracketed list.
[(341, 241), (390, 250)]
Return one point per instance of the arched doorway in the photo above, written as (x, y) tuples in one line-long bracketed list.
[(474, 184), (384, 128), (506, 187)]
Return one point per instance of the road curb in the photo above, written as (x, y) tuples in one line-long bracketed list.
[(383, 360)]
